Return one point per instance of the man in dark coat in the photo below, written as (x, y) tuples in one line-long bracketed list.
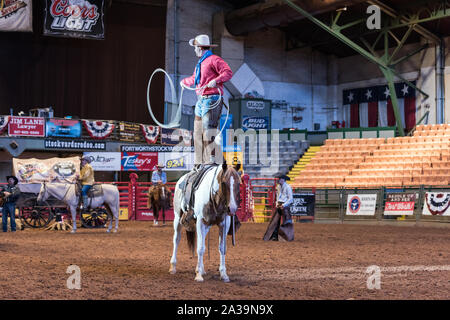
[(282, 214), (10, 193)]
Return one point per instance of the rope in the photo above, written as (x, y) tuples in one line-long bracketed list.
[(176, 121)]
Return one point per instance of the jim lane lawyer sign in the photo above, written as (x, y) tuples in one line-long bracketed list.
[(74, 18), (26, 126), (361, 204)]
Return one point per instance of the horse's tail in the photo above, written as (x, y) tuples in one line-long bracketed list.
[(190, 236)]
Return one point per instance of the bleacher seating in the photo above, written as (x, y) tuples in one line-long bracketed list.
[(422, 159), (289, 152)]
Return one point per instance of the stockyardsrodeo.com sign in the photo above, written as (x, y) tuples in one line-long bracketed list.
[(74, 144), (75, 18)]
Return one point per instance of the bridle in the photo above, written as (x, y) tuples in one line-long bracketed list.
[(222, 196)]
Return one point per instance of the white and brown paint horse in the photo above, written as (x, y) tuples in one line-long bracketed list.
[(67, 193), (216, 199)]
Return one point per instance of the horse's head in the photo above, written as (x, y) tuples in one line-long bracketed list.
[(43, 193), (229, 186)]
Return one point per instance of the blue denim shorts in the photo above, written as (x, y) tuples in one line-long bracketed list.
[(203, 105)]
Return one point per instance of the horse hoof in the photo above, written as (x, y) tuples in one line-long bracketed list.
[(172, 270), (115, 231), (73, 231), (226, 280), (198, 278)]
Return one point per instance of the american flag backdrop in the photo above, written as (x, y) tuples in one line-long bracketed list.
[(372, 106)]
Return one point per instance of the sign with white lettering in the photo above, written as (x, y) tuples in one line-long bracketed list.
[(399, 204), (303, 204), (139, 161), (26, 126), (75, 18), (255, 105)]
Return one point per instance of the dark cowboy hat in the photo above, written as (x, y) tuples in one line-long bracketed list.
[(16, 181), (285, 177), (87, 159)]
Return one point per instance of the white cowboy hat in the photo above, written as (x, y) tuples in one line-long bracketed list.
[(201, 40), (160, 165)]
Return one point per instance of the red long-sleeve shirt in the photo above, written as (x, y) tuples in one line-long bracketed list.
[(212, 68)]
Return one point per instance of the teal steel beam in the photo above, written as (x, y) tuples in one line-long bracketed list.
[(409, 55), (398, 118), (385, 62)]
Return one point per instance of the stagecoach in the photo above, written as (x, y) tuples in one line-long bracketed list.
[(37, 214)]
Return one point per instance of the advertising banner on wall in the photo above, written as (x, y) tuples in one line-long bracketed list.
[(26, 126), (16, 15), (177, 161), (73, 144), (104, 161), (257, 123), (63, 128), (74, 19), (303, 204), (436, 204), (139, 161), (130, 132), (46, 170), (399, 204), (173, 136), (361, 204)]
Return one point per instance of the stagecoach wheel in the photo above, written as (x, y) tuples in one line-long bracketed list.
[(94, 218), (36, 215)]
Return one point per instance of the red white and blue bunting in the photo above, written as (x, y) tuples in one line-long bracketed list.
[(151, 133), (4, 120), (98, 129)]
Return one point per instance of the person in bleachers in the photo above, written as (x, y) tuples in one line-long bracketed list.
[(282, 214)]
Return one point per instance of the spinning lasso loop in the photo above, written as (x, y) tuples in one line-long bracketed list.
[(176, 121)]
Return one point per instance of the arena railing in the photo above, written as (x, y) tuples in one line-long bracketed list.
[(331, 203)]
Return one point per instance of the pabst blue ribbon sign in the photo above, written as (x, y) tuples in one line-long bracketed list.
[(74, 18)]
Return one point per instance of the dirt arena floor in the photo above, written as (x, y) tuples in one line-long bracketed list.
[(326, 261)]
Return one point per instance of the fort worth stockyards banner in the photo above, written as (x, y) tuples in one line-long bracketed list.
[(75, 19), (46, 170), (16, 15)]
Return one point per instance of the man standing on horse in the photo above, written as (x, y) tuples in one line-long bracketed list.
[(211, 72), (87, 181), (10, 193), (159, 176), (282, 212)]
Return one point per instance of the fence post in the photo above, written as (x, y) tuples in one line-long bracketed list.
[(380, 210), (342, 204), (132, 194), (420, 203), (246, 196)]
